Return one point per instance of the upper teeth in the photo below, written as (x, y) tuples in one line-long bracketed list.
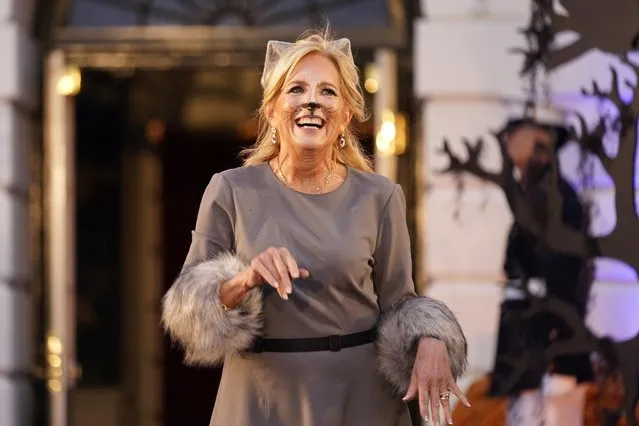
[(310, 120)]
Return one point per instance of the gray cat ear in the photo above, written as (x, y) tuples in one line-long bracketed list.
[(274, 50), (344, 46)]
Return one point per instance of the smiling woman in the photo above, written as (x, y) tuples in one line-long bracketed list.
[(310, 114), (316, 81), (299, 273)]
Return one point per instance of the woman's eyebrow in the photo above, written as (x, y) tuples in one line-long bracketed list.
[(303, 83)]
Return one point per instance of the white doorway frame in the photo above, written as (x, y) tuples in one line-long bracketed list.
[(59, 189)]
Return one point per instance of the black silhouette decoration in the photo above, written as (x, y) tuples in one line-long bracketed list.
[(609, 26), (562, 238), (621, 167), (554, 232), (539, 35), (613, 27)]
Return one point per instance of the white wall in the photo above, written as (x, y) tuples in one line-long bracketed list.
[(470, 84), (17, 103)]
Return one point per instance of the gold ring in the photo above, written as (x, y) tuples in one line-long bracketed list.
[(444, 396)]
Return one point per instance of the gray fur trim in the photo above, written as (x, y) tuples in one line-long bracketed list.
[(192, 313), (403, 325)]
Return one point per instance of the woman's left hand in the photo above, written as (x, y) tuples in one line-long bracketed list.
[(433, 382)]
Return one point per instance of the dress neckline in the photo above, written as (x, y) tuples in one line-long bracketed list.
[(273, 177)]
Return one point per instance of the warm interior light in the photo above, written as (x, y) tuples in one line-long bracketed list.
[(371, 80), (54, 345), (401, 133), (392, 137), (70, 82), (371, 85), (385, 138)]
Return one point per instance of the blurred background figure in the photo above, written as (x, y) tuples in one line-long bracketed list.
[(535, 270)]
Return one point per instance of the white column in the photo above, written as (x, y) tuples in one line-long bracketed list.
[(470, 83), (18, 88), (385, 103)]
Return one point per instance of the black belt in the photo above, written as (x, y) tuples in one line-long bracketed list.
[(333, 343)]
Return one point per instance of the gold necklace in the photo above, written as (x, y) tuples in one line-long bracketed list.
[(319, 189)]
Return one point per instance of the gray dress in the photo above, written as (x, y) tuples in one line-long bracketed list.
[(355, 243)]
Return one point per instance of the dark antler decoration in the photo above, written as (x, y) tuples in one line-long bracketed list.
[(621, 167), (592, 140), (539, 36), (556, 234), (471, 164)]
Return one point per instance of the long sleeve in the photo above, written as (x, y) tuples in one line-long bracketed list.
[(406, 317), (192, 313)]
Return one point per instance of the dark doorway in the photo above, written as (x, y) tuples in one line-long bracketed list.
[(189, 160), (101, 125)]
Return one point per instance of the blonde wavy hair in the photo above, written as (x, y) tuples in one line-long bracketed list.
[(352, 154)]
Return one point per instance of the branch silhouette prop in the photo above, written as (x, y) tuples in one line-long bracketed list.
[(553, 231), (472, 163), (617, 245), (621, 167), (539, 36), (609, 26)]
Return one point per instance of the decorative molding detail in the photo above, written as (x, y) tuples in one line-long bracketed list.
[(236, 13)]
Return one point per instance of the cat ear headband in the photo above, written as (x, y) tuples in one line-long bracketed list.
[(275, 49)]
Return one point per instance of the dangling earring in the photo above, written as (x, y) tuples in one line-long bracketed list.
[(342, 141), (273, 136)]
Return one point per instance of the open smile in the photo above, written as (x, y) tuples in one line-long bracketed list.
[(310, 121)]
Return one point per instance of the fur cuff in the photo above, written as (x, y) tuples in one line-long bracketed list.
[(403, 325), (192, 313)]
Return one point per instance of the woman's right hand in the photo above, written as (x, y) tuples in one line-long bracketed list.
[(276, 267)]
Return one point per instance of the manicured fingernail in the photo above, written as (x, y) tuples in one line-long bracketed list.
[(467, 404), (285, 297), (450, 421), (289, 290), (426, 419), (296, 275), (276, 285)]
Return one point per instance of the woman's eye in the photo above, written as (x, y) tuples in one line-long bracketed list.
[(329, 92), (296, 89)]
